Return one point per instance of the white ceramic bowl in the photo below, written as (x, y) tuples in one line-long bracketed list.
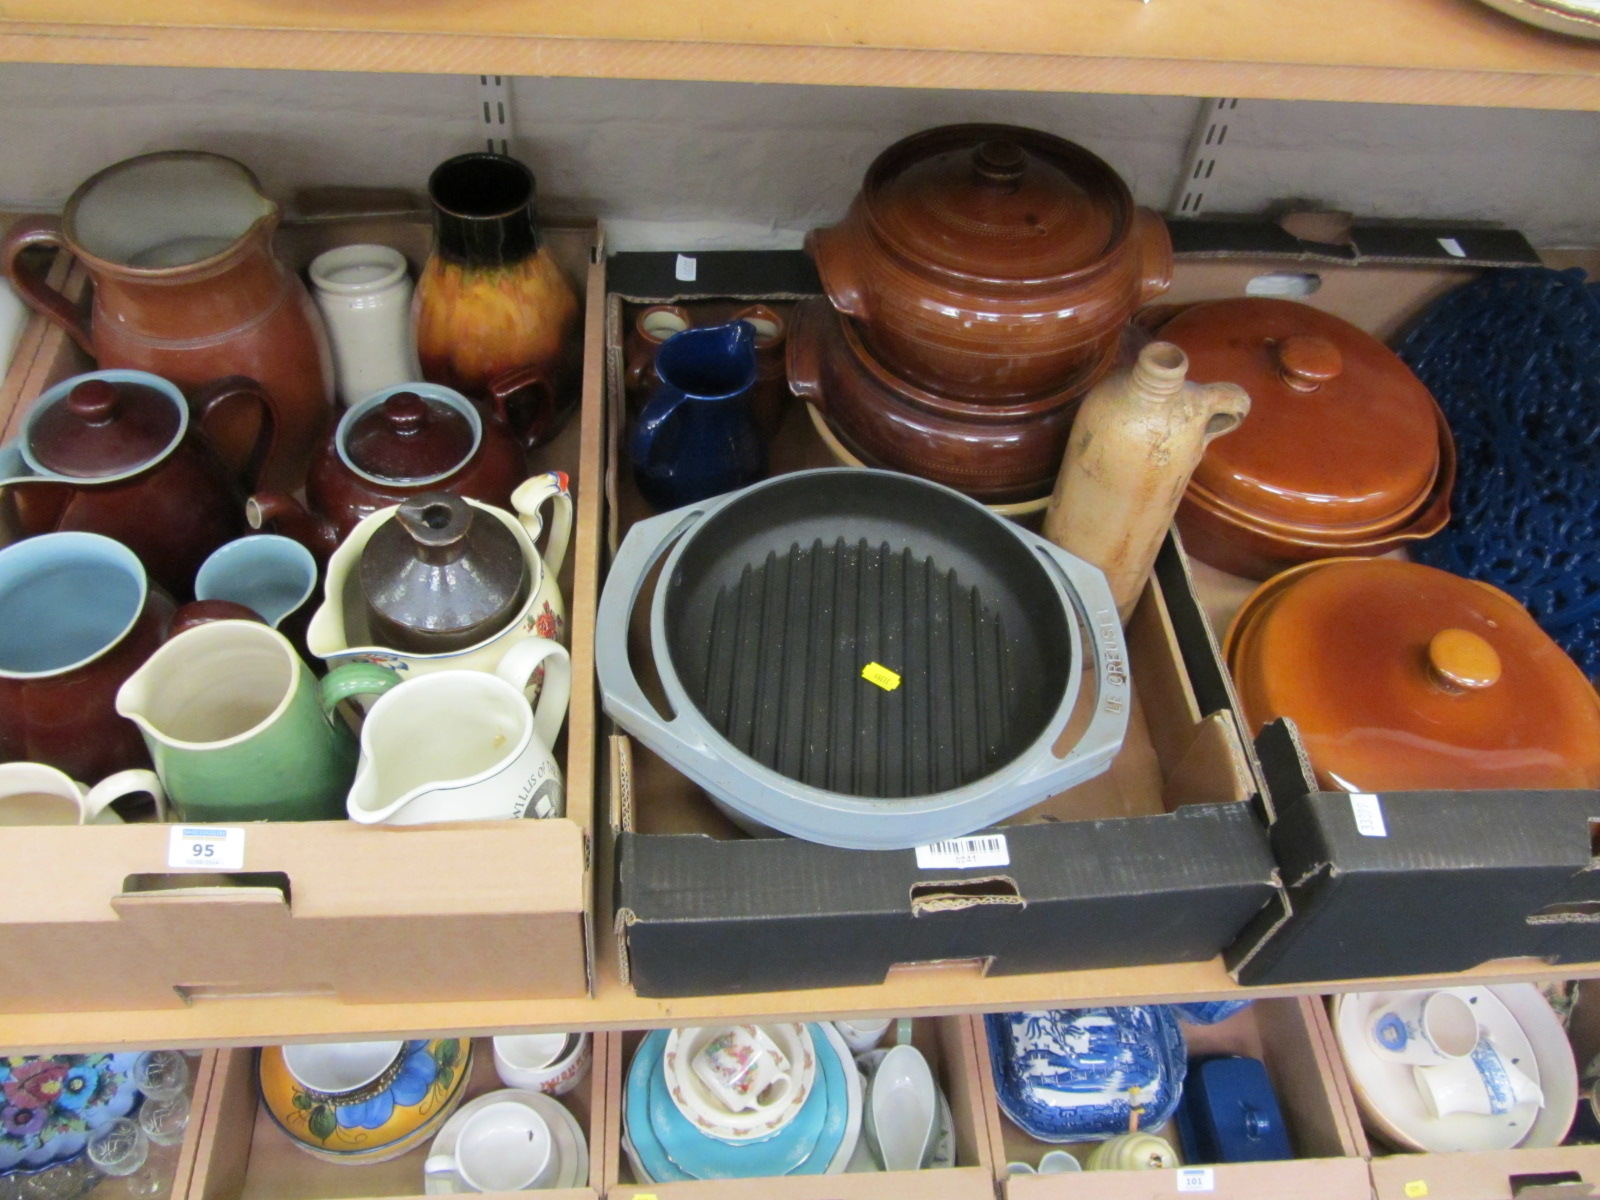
[(337, 1067), (524, 1062)]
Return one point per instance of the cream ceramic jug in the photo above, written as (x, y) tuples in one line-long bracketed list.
[(339, 634), (34, 794), (465, 745)]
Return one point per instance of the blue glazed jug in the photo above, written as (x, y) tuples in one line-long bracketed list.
[(697, 436)]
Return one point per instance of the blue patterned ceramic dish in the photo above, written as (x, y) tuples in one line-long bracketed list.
[(1077, 1075), (49, 1106), (1209, 1012), (670, 1148)]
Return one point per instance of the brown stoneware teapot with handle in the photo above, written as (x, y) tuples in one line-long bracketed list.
[(991, 262), (116, 453), (398, 443), (436, 579), (186, 286)]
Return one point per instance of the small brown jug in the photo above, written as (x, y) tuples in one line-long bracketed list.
[(1138, 437), (434, 580)]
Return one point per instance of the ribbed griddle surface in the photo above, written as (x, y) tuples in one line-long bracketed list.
[(780, 675)]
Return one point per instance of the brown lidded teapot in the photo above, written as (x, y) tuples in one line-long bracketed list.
[(117, 453), (398, 443)]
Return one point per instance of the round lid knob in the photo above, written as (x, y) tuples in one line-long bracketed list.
[(1306, 362), (102, 429), (1463, 660), (999, 162), (408, 439), (1402, 677)]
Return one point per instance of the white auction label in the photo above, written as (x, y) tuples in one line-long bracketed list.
[(1196, 1179), (206, 847), (1451, 247), (988, 850), (1368, 812), (687, 268)]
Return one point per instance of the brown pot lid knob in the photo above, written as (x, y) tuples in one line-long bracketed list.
[(1306, 362), (94, 401), (999, 163), (406, 413), (1462, 660)]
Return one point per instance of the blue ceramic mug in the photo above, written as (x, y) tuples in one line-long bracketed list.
[(697, 435)]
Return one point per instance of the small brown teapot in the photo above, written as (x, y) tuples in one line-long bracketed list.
[(117, 453), (401, 442)]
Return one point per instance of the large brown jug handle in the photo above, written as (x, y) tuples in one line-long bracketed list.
[(1154, 245), (40, 296), (209, 397), (535, 383)]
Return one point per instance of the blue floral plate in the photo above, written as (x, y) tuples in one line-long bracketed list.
[(670, 1148), (1076, 1075), (49, 1106)]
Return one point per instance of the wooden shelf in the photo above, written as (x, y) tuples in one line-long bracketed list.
[(1456, 52)]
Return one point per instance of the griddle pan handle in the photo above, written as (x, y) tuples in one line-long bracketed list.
[(1097, 609), (620, 692)]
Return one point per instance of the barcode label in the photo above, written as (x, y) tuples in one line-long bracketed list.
[(988, 850), (192, 847), (687, 268), (1368, 813), (1196, 1179)]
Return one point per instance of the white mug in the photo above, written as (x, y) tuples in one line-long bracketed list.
[(1424, 1029), (863, 1033), (464, 745), (1484, 1082), (34, 794), (1059, 1162), (744, 1069), (503, 1147), (552, 1063)]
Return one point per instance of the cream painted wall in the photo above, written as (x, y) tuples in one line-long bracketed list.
[(697, 165)]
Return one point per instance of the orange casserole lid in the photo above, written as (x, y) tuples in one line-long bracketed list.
[(1404, 677), (1341, 437)]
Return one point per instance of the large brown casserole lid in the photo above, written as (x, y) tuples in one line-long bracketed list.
[(1342, 438), (1403, 677)]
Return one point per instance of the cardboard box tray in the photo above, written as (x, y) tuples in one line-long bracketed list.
[(473, 911)]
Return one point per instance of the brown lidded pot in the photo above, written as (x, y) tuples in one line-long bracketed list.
[(1404, 677), (400, 442), (995, 453), (1345, 454), (992, 262)]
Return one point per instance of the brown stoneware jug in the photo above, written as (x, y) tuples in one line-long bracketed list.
[(116, 453), (1138, 438), (435, 579), (179, 247), (399, 443), (78, 616)]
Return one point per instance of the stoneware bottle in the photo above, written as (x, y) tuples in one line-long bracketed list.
[(364, 295), (1137, 439)]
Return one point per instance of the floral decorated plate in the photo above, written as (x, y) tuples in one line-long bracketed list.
[(1083, 1074), (402, 1107), (48, 1106)]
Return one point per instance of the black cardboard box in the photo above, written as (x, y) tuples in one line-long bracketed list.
[(1163, 859)]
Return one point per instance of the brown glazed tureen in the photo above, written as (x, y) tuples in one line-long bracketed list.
[(1403, 677), (992, 262), (1346, 453)]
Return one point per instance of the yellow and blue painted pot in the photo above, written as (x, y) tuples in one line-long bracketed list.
[(394, 1113)]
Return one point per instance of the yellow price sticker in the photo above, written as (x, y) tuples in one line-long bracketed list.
[(1416, 1189), (881, 675)]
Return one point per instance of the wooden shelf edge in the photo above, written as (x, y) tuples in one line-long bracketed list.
[(471, 54), (915, 992)]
